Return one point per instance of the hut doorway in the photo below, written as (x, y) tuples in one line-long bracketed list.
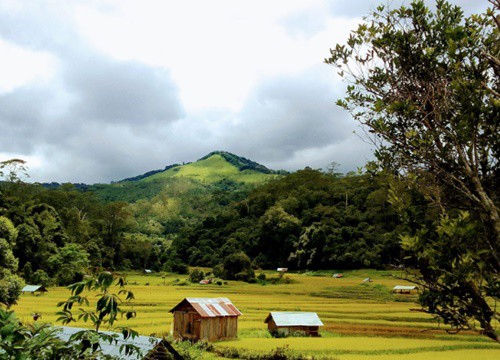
[(191, 326)]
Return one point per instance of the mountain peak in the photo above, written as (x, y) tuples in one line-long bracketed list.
[(240, 162)]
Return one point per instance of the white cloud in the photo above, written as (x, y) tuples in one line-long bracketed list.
[(21, 66)]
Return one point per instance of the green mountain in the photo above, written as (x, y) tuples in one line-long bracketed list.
[(215, 167), (219, 170)]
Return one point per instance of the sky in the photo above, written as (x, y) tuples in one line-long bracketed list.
[(100, 90)]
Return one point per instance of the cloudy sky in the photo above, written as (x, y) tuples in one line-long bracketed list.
[(95, 91)]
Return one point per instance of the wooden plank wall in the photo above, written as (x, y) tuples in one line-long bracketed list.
[(213, 329)]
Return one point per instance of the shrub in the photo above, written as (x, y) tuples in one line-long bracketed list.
[(176, 266), (40, 277), (218, 271), (237, 266), (196, 276)]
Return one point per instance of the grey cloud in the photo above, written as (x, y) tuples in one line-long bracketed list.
[(22, 114), (121, 92), (98, 119), (287, 115)]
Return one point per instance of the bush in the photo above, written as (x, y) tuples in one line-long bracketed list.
[(40, 277), (196, 276), (177, 267), (237, 266), (218, 271), (283, 334)]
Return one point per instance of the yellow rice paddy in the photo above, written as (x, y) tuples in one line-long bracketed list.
[(368, 327)]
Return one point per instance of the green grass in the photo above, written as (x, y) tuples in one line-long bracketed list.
[(210, 170), (373, 325)]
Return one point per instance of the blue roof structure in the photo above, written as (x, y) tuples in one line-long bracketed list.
[(145, 343), (294, 318)]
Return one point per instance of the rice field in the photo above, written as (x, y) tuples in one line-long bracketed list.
[(362, 320)]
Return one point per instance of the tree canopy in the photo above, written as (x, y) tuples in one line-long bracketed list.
[(425, 86)]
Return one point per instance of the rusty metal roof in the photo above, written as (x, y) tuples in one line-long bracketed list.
[(211, 307), (294, 318)]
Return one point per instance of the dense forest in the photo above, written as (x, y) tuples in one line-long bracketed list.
[(305, 220)]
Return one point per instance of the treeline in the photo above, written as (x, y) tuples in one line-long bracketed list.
[(243, 163), (60, 233), (56, 234), (306, 220)]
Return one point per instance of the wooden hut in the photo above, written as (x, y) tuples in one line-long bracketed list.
[(290, 321), (208, 319)]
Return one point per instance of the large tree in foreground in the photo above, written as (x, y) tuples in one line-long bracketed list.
[(425, 84)]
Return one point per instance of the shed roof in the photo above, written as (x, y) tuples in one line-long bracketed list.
[(293, 318), (145, 343), (33, 288), (211, 307), (404, 287)]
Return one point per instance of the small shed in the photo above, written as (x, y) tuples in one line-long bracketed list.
[(34, 289), (290, 321), (282, 270), (205, 319), (404, 289)]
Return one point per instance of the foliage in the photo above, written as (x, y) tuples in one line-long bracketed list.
[(426, 85), (107, 308), (307, 219), (280, 353), (69, 264), (196, 276), (237, 266), (18, 341), (242, 163), (13, 170), (10, 283)]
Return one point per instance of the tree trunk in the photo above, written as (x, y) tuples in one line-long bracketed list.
[(491, 333)]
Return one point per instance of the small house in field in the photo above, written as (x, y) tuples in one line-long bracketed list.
[(282, 270), (404, 289), (290, 322), (34, 289), (208, 319)]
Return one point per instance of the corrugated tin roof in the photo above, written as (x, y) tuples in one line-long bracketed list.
[(404, 287), (32, 288), (211, 307), (292, 318), (145, 343)]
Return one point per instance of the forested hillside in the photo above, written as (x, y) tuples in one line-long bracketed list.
[(306, 220)]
